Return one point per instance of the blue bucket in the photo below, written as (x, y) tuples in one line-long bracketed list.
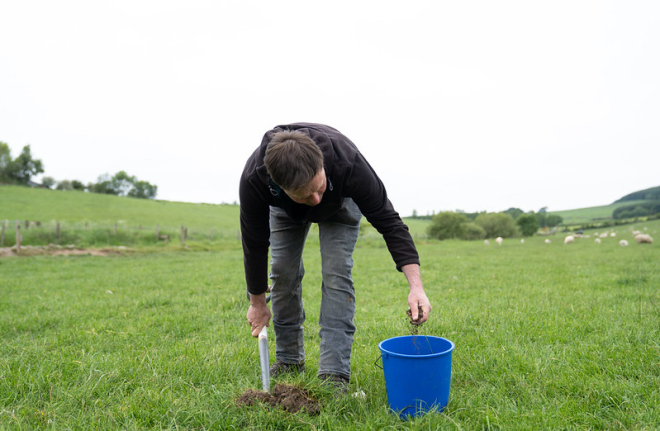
[(417, 372)]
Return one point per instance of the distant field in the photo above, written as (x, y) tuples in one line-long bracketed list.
[(586, 215), (22, 203)]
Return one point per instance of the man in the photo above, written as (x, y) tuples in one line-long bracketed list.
[(307, 173)]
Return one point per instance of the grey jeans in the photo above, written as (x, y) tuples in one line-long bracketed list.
[(337, 237)]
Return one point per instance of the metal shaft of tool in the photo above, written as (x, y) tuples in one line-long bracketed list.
[(263, 359)]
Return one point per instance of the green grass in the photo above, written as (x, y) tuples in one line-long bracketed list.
[(24, 203), (547, 337)]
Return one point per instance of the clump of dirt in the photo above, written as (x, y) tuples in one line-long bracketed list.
[(289, 398), (414, 325)]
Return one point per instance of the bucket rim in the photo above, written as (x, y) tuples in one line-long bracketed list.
[(430, 355)]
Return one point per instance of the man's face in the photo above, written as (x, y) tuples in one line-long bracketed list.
[(312, 193)]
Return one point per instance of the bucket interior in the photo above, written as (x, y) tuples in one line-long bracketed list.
[(418, 346)]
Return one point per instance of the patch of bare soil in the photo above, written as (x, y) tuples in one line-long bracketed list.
[(59, 250), (289, 398)]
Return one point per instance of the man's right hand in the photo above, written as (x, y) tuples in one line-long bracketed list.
[(258, 314)]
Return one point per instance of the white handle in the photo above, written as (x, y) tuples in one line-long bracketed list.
[(263, 333)]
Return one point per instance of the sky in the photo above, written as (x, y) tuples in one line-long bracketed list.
[(471, 105)]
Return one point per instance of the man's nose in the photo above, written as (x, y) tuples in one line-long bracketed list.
[(314, 199)]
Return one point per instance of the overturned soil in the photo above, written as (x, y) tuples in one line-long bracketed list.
[(289, 398), (60, 250)]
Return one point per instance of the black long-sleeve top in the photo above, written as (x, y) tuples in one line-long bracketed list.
[(348, 174)]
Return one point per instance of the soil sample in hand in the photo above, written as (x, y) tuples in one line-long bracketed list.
[(414, 325)]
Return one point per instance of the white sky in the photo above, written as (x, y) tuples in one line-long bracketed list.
[(472, 105)]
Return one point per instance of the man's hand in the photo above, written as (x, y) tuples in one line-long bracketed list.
[(416, 298), (258, 314)]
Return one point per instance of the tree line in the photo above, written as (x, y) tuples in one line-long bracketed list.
[(24, 167), (510, 223)]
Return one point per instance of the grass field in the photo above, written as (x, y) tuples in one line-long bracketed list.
[(547, 337), (74, 207)]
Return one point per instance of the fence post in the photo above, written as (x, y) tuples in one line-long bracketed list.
[(18, 236), (27, 224), (2, 235), (183, 236)]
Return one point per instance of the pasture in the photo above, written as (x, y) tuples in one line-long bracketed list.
[(547, 336)]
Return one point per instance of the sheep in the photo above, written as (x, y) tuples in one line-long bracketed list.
[(597, 240), (623, 243), (603, 235), (522, 241), (613, 234), (569, 239), (499, 240), (486, 242), (547, 241), (644, 239)]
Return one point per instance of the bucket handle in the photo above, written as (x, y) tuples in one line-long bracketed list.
[(376, 361)]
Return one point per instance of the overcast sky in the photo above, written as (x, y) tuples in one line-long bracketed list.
[(471, 105)]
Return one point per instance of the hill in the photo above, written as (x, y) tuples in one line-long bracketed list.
[(652, 194), (604, 213), (23, 203), (591, 214)]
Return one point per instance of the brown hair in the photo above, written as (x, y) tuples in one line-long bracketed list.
[(292, 159)]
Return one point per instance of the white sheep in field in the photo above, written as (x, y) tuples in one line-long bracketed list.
[(613, 234), (569, 239), (486, 242), (623, 243), (644, 239), (597, 240), (603, 235), (522, 241), (499, 240), (547, 241)]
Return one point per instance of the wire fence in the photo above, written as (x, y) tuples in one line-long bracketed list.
[(17, 233)]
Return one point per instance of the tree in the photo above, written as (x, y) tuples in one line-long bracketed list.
[(542, 218), (472, 231), (447, 224), (64, 185), (103, 186), (77, 185), (5, 160), (497, 224), (553, 220), (514, 212), (122, 184), (48, 182), (528, 224), (143, 190), (24, 167)]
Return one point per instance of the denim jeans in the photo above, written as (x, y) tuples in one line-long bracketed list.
[(337, 237)]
